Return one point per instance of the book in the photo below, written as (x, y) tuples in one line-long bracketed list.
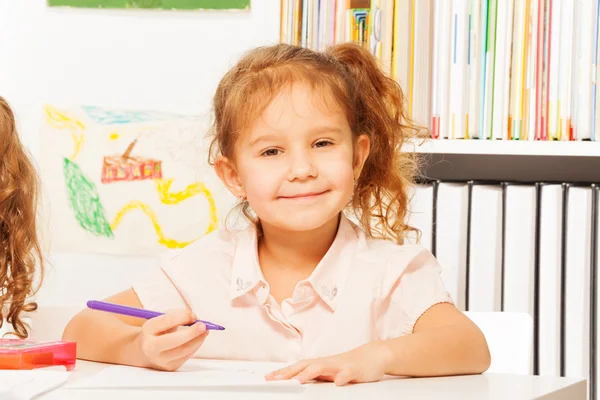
[(473, 69)]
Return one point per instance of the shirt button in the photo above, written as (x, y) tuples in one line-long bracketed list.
[(301, 294)]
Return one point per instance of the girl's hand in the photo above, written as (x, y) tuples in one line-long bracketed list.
[(166, 344), (363, 364)]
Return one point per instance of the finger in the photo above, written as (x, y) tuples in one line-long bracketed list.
[(168, 321), (344, 377), (311, 372), (288, 372), (187, 349), (180, 337), (174, 365), (178, 362), (325, 378), (174, 329)]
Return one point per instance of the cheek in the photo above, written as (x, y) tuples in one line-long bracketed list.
[(338, 171), (259, 180)]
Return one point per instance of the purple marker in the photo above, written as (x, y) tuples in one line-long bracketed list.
[(139, 312)]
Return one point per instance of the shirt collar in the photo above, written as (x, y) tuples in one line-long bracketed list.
[(246, 272), (327, 279)]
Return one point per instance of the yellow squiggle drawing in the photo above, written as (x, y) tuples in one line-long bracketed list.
[(166, 197), (162, 239), (163, 186), (59, 120)]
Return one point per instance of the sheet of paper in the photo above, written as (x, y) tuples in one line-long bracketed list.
[(24, 385), (195, 373), (128, 182)]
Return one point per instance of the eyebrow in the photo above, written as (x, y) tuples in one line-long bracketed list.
[(323, 129), (313, 131), (262, 138)]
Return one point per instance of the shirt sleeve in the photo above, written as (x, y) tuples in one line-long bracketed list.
[(158, 293), (164, 288), (412, 285)]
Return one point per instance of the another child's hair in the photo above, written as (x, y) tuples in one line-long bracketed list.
[(19, 245), (374, 105)]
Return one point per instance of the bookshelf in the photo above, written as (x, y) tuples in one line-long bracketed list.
[(483, 76), (508, 147), (509, 161)]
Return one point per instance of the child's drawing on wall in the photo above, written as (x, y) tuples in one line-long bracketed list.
[(124, 182)]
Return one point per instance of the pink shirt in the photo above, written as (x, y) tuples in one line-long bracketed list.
[(362, 290)]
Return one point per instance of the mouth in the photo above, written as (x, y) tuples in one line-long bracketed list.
[(302, 196)]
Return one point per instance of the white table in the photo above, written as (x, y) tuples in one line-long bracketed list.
[(480, 387)]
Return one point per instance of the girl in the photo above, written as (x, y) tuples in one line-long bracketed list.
[(302, 138), (19, 245)]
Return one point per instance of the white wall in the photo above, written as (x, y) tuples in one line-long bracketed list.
[(163, 60)]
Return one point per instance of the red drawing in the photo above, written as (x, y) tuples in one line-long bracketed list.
[(126, 168)]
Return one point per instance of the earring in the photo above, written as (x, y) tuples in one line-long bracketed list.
[(242, 197)]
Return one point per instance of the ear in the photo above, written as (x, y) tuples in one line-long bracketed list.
[(227, 172), (361, 152)]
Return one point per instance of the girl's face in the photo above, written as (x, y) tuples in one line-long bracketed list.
[(298, 162)]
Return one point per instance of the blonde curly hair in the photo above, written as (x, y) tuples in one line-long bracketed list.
[(374, 105), (20, 250)]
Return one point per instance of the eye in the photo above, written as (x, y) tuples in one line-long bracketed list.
[(323, 143), (270, 153)]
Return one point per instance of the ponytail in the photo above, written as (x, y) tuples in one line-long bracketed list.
[(381, 195)]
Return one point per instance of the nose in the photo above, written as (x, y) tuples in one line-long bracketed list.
[(301, 167)]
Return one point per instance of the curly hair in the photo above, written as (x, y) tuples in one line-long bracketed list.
[(20, 250), (373, 103)]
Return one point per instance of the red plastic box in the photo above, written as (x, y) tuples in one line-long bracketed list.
[(30, 354)]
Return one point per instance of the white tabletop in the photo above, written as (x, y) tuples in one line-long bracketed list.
[(481, 387)]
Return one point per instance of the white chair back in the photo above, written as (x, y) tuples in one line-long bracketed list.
[(510, 339), (49, 322)]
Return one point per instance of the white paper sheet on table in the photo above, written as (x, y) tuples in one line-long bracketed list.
[(27, 384), (197, 374)]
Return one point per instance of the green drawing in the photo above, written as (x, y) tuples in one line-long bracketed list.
[(156, 4), (144, 3), (85, 201)]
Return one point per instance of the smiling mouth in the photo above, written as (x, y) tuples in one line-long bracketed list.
[(301, 196)]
